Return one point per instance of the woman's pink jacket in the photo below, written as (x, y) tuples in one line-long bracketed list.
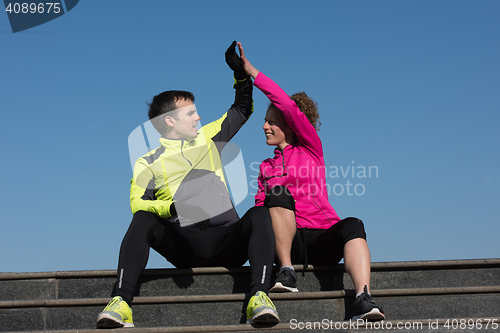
[(300, 166)]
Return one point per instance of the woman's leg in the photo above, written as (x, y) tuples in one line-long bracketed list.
[(281, 206), (347, 239), (284, 227), (357, 263)]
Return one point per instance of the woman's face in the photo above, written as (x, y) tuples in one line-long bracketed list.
[(275, 128)]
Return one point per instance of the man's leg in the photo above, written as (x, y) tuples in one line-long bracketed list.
[(145, 230), (251, 238), (261, 252), (255, 231)]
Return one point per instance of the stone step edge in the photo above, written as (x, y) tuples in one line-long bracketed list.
[(375, 266), (241, 297), (389, 325)]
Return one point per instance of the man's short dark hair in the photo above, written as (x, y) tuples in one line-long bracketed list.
[(163, 103)]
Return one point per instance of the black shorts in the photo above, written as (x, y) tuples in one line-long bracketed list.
[(325, 246), (280, 196), (316, 246)]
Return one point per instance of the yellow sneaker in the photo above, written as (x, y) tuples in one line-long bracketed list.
[(116, 314), (261, 309)]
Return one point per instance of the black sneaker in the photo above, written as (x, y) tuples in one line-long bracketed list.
[(286, 280), (366, 309)]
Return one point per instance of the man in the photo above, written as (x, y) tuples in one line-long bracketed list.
[(182, 207)]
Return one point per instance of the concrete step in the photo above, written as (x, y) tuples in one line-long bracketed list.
[(213, 299), (489, 325), (228, 309), (228, 313), (219, 280)]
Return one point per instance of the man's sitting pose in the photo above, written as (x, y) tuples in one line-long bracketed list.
[(181, 206)]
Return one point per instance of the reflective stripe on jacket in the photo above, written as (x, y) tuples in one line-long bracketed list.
[(191, 170)]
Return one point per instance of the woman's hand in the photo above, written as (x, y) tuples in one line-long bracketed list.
[(247, 66)]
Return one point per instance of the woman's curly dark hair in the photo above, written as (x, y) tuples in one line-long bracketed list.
[(308, 107)]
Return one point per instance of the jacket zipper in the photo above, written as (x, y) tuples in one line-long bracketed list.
[(182, 152)]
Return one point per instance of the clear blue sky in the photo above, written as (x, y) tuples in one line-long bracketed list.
[(409, 88)]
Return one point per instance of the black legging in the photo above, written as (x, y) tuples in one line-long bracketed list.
[(250, 238)]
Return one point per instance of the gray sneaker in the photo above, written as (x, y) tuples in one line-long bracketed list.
[(286, 281), (366, 309)]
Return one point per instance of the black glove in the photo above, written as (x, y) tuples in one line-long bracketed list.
[(194, 213), (234, 62)]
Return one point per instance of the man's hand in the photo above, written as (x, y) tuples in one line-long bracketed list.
[(234, 62), (247, 66), (194, 213)]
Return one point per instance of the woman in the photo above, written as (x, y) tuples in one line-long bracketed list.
[(292, 185)]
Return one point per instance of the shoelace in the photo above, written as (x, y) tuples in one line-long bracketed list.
[(263, 300), (283, 273), (367, 297), (115, 304)]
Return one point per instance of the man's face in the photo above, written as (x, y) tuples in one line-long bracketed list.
[(184, 124)]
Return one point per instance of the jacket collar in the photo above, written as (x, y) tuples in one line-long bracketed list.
[(174, 143), (278, 150)]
